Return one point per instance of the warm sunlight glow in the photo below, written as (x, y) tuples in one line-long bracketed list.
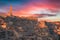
[(4, 25), (40, 11)]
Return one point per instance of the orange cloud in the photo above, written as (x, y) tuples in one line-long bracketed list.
[(32, 6)]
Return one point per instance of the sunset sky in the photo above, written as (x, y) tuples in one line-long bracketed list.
[(31, 7)]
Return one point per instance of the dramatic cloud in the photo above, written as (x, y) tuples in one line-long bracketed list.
[(27, 7)]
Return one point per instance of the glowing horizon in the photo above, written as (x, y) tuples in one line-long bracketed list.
[(32, 7)]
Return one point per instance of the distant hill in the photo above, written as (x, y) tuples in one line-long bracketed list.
[(3, 14), (43, 15)]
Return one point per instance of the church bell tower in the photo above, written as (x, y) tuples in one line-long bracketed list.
[(10, 12)]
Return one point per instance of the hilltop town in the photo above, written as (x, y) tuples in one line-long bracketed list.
[(27, 28)]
